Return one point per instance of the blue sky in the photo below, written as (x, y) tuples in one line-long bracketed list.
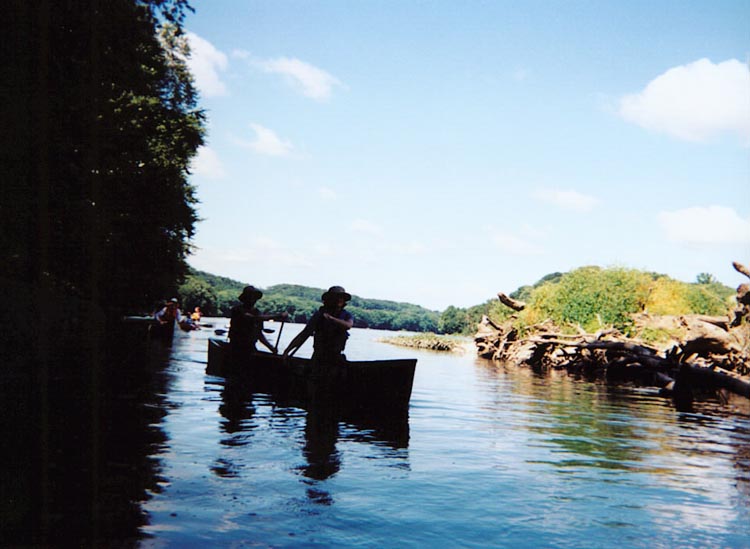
[(440, 152)]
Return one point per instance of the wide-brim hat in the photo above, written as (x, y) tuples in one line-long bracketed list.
[(250, 293), (336, 291)]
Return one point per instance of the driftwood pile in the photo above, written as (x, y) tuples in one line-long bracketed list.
[(712, 352)]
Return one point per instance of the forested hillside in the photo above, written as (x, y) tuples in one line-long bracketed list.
[(216, 295), (590, 297)]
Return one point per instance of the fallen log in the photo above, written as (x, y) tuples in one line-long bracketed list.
[(740, 268), (711, 352), (702, 377), (510, 302)]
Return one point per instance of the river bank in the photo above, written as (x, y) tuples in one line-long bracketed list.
[(433, 342), (700, 353)]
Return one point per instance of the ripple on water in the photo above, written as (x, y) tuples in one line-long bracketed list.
[(494, 456)]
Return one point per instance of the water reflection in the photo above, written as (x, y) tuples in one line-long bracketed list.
[(79, 448), (591, 425), (237, 409), (323, 419)]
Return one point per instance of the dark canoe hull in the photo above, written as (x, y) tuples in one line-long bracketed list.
[(362, 388), (148, 328)]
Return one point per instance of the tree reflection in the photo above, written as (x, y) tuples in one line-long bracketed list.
[(80, 443), (588, 422)]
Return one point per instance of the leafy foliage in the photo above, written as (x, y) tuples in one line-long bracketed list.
[(302, 301), (592, 298), (589, 297), (196, 292), (98, 206)]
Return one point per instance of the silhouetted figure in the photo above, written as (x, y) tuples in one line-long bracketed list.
[(329, 327), (169, 313), (165, 318), (246, 326)]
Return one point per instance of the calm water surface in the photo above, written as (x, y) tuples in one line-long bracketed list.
[(497, 456)]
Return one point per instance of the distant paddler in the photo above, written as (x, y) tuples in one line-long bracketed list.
[(169, 313), (195, 316)]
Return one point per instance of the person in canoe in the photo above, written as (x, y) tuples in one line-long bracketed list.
[(329, 327), (246, 326), (169, 313), (196, 315)]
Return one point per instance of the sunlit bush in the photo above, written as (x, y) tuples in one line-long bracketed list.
[(595, 298)]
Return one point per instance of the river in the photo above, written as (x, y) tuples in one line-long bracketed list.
[(496, 456)]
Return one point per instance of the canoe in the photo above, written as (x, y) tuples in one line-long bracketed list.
[(381, 386), (149, 328)]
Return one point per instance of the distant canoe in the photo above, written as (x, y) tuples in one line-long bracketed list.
[(380, 386)]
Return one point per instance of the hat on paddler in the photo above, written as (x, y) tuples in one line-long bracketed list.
[(250, 293), (336, 291)]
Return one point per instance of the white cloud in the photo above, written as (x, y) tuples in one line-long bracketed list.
[(313, 82), (694, 102), (568, 200), (521, 74), (205, 62), (413, 247), (207, 164), (327, 193), (266, 142), (514, 244), (366, 227), (705, 225), (266, 248), (241, 54)]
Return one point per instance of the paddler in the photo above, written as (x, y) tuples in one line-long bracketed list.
[(246, 325), (169, 313), (329, 327)]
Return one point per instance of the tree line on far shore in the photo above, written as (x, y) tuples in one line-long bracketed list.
[(216, 295), (589, 297)]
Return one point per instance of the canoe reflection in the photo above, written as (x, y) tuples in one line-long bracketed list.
[(323, 416)]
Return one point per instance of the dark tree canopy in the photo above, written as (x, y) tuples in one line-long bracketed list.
[(96, 204)]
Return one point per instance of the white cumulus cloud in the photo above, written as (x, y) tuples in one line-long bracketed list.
[(514, 244), (705, 226), (694, 102), (567, 199), (311, 81), (206, 163), (327, 193), (206, 62), (266, 142), (366, 227)]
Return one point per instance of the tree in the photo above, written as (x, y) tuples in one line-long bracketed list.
[(195, 292), (98, 209), (705, 278), (453, 320)]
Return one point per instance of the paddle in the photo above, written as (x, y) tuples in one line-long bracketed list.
[(220, 332), (278, 337)]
